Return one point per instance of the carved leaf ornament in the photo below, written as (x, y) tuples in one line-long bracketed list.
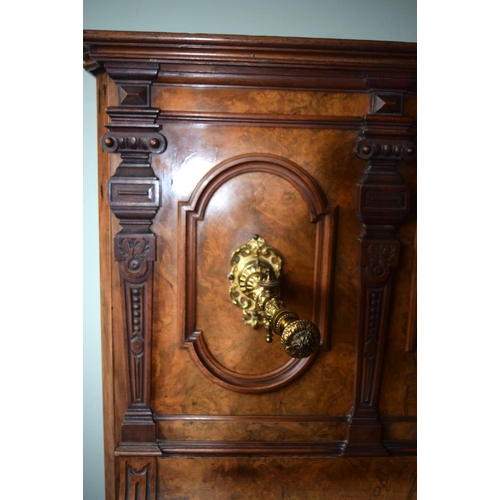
[(134, 252)]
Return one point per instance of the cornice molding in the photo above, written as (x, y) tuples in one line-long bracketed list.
[(285, 62), (256, 50)]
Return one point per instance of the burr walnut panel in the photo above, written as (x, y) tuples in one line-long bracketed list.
[(182, 169), (270, 102), (311, 144), (293, 478), (265, 204), (254, 203), (253, 428)]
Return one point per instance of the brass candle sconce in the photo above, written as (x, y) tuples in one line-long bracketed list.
[(255, 288)]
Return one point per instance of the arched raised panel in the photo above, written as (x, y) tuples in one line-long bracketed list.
[(247, 195)]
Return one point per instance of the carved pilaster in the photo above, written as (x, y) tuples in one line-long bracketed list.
[(382, 202), (134, 197)]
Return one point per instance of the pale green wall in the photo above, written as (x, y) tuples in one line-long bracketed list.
[(355, 19)]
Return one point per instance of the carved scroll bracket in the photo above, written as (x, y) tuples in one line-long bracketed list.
[(382, 202)]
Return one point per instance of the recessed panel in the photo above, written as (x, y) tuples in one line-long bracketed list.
[(252, 203), (261, 196)]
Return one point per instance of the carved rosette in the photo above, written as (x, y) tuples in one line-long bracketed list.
[(134, 252), (378, 258), (382, 202)]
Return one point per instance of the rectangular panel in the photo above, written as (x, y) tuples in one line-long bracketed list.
[(123, 192), (295, 478), (252, 428)]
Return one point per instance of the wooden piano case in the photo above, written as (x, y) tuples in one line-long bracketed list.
[(210, 143)]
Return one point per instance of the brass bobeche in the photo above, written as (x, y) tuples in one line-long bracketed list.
[(255, 289)]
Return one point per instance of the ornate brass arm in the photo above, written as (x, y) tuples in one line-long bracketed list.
[(255, 289)]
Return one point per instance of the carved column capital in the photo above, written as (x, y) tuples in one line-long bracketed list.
[(128, 139), (393, 149), (134, 134), (382, 197)]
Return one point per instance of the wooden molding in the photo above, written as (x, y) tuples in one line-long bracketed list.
[(401, 448), (228, 447), (240, 382), (263, 120), (254, 448), (191, 212), (411, 332), (251, 418), (273, 62)]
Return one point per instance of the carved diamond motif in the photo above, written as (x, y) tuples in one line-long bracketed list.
[(387, 104), (137, 345), (133, 96), (370, 348)]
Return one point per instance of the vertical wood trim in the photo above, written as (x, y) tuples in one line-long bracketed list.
[(105, 270), (133, 195), (382, 202), (411, 332), (326, 241)]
